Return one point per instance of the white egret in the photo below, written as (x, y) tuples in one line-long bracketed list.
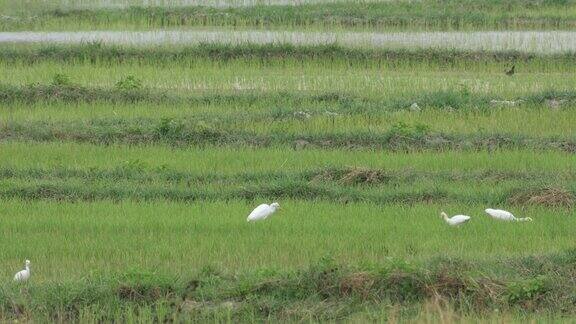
[(262, 212), (23, 275), (505, 215), (456, 220)]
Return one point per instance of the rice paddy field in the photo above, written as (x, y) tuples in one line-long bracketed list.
[(137, 136)]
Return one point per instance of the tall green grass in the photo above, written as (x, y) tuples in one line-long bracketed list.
[(388, 15), (239, 77)]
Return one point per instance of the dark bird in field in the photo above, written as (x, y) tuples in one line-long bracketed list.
[(511, 71)]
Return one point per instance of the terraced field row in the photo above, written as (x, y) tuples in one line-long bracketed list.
[(282, 14)]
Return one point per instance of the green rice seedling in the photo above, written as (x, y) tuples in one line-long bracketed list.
[(58, 234), (244, 77)]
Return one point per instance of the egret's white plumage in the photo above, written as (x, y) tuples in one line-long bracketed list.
[(455, 220), (505, 215), (262, 212), (23, 275)]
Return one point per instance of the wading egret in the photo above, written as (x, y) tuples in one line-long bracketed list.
[(455, 220), (23, 275), (505, 215), (262, 212)]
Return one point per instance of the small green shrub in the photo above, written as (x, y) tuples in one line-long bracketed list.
[(411, 131), (527, 290), (60, 79), (169, 128), (129, 83)]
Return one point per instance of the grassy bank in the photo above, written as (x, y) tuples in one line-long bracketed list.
[(279, 54), (399, 137), (340, 176), (437, 288)]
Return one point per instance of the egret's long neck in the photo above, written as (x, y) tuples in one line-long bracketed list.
[(445, 216)]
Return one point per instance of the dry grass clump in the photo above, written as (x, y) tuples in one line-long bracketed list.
[(549, 196), (359, 284), (362, 176), (352, 176)]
